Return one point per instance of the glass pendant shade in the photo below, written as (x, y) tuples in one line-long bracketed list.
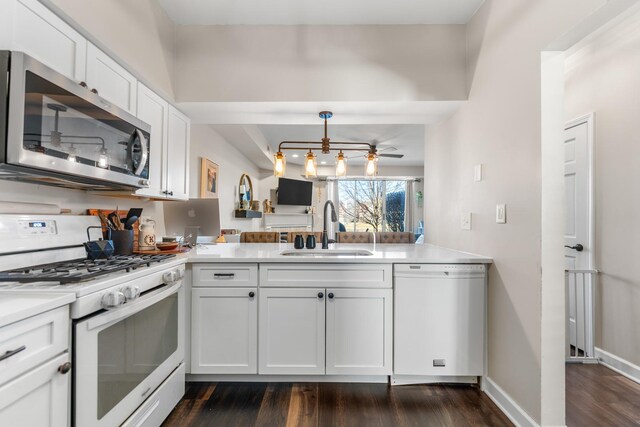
[(371, 166), (341, 165), (310, 165), (279, 163), (72, 156), (103, 159)]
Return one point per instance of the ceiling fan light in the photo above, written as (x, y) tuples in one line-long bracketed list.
[(341, 165), (279, 164), (371, 166), (310, 165)]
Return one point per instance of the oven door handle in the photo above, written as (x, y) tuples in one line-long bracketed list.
[(131, 308)]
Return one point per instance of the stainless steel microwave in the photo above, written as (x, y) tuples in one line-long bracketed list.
[(55, 131)]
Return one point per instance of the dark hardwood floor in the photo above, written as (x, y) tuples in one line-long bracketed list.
[(598, 396), (334, 404)]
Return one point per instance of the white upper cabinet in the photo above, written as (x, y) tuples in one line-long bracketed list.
[(177, 158), (111, 80), (154, 111), (28, 26)]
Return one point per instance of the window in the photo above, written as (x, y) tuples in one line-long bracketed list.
[(373, 205)]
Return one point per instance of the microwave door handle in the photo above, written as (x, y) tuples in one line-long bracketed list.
[(128, 309), (145, 152)]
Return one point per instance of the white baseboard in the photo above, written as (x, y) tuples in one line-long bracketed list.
[(618, 364), (221, 378), (507, 405)]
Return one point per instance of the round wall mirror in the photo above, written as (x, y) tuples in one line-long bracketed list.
[(245, 190)]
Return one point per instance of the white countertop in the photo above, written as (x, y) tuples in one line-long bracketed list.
[(382, 253), (17, 305)]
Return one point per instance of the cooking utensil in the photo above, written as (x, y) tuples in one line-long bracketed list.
[(97, 249), (115, 220), (134, 212), (128, 225), (105, 221)]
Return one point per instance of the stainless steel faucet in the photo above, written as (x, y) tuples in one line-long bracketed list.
[(334, 218)]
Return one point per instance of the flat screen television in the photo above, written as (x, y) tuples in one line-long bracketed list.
[(294, 192)]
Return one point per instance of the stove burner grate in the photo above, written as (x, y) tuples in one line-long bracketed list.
[(81, 269)]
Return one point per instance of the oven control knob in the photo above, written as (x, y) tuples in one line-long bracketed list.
[(131, 292), (113, 299), (171, 276)]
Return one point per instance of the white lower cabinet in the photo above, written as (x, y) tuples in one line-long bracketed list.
[(224, 331), (292, 331), (359, 331), (37, 398)]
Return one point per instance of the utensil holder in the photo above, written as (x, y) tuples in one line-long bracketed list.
[(122, 242)]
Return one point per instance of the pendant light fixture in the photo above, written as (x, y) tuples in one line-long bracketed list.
[(310, 165), (72, 156), (103, 158), (279, 163), (371, 165), (341, 164), (324, 146)]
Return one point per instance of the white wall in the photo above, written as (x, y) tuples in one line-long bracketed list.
[(320, 63), (500, 127), (603, 77), (76, 200), (139, 33), (205, 142)]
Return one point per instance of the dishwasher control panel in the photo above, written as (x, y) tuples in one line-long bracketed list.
[(440, 268)]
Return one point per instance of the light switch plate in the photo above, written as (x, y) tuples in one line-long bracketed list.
[(477, 173), (465, 221), (501, 214)]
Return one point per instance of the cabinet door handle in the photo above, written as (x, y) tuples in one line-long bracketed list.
[(64, 368), (320, 295), (94, 90), (224, 275), (330, 295), (252, 294), (10, 353)]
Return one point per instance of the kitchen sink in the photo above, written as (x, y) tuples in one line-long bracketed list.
[(326, 252)]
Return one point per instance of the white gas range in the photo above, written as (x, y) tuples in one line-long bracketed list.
[(128, 317)]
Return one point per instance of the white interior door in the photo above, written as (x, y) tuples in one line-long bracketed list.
[(578, 239)]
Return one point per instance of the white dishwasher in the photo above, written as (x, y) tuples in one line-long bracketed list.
[(439, 324)]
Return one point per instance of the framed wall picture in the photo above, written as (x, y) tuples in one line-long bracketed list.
[(209, 179)]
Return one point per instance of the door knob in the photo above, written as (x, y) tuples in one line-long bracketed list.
[(577, 247)]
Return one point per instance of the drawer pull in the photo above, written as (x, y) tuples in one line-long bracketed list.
[(320, 295), (252, 294), (226, 276), (64, 368), (10, 353)]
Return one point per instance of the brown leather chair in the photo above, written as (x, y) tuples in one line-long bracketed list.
[(292, 235), (395, 237), (260, 237), (354, 237)]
